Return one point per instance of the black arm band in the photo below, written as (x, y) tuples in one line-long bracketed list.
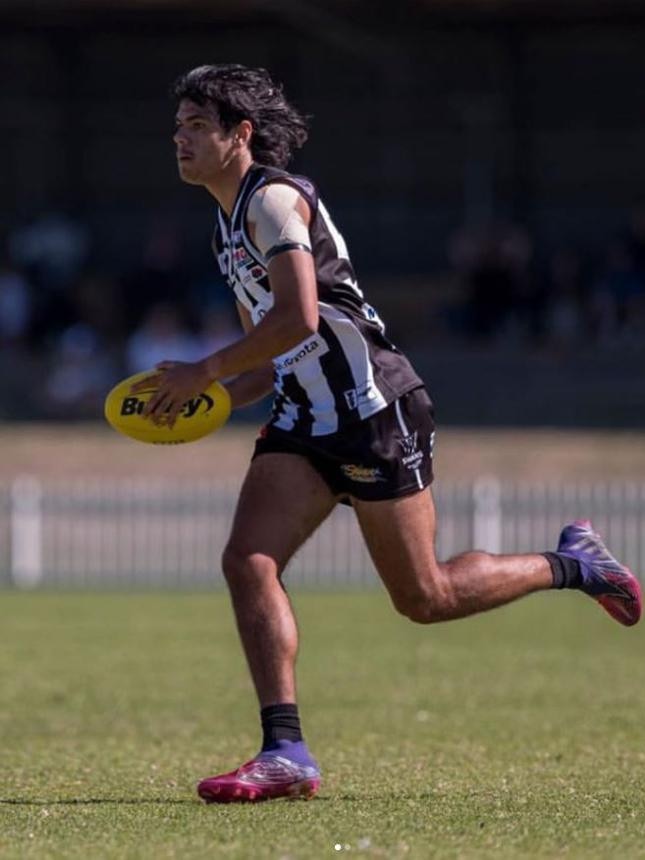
[(287, 246)]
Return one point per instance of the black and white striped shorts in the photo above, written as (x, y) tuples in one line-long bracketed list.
[(384, 456)]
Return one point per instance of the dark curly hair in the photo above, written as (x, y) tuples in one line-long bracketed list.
[(238, 92)]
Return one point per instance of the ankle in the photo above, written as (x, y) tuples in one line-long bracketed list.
[(280, 722), (566, 570)]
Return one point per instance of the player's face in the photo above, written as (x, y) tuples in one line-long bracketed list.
[(204, 149)]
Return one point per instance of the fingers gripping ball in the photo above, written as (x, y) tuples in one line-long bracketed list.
[(201, 415)]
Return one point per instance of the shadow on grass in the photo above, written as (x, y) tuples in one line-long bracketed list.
[(80, 801), (151, 801)]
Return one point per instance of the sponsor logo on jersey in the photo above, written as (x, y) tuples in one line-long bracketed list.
[(362, 474), (240, 256), (356, 397), (372, 316), (412, 456), (250, 274), (312, 347)]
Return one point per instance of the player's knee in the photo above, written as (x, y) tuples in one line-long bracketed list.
[(244, 570), (425, 605), (236, 566)]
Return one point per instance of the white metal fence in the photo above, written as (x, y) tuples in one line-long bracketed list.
[(97, 532)]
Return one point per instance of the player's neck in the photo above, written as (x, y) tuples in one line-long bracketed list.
[(227, 184)]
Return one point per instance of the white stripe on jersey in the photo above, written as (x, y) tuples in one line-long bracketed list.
[(228, 258), (357, 355), (339, 242), (342, 388), (323, 405), (240, 295), (289, 411), (404, 430), (264, 301), (247, 287), (233, 277), (241, 194), (303, 362)]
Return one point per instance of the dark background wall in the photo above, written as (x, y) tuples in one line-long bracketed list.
[(425, 118), (423, 123)]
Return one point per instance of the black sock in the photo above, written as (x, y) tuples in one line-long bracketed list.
[(280, 723), (566, 571)]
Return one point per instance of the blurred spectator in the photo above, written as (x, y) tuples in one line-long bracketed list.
[(218, 329), (566, 311), (15, 305), (635, 238), (97, 301), (81, 372), (491, 288), (526, 302), (160, 276), (81, 328), (620, 297), (19, 378), (495, 266), (52, 249), (162, 335)]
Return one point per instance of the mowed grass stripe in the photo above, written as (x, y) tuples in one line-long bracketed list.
[(517, 733)]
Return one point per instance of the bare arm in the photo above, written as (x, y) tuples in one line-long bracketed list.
[(278, 216), (252, 385), (293, 317)]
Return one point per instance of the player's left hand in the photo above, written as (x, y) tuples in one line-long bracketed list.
[(176, 382)]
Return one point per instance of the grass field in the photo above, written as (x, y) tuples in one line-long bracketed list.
[(519, 733)]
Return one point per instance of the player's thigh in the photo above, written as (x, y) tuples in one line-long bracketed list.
[(282, 501), (399, 534)]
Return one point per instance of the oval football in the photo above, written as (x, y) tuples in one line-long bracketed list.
[(200, 415)]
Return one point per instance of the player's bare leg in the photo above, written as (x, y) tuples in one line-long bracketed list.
[(282, 502), (400, 534), (400, 537)]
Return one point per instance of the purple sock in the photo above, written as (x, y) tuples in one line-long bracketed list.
[(295, 751)]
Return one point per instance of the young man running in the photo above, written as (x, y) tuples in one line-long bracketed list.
[(351, 420)]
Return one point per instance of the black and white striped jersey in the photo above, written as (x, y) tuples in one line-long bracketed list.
[(346, 371)]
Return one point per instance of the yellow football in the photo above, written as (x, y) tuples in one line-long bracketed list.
[(200, 415)]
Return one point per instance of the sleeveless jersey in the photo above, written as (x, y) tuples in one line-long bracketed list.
[(346, 371)]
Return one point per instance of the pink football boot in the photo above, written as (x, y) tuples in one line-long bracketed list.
[(269, 775)]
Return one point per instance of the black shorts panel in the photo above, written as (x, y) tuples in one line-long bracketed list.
[(383, 457)]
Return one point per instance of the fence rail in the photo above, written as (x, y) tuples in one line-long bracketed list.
[(135, 533)]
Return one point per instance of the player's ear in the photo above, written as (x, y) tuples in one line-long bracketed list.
[(243, 132)]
